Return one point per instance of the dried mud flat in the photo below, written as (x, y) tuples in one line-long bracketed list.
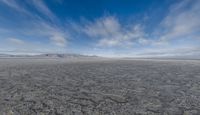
[(99, 87)]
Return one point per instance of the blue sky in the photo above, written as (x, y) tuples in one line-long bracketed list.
[(112, 28)]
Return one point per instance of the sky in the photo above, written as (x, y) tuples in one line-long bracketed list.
[(110, 28)]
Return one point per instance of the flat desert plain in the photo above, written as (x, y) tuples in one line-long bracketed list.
[(99, 87)]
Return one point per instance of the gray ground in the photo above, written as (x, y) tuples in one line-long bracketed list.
[(99, 87)]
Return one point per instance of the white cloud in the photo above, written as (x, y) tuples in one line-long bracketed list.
[(37, 26), (181, 25), (38, 4), (58, 39), (182, 21), (42, 7), (16, 41), (111, 33), (13, 4), (3, 30), (103, 27), (55, 34), (176, 52), (144, 41)]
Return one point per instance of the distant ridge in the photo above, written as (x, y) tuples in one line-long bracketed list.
[(64, 55), (50, 55), (71, 56)]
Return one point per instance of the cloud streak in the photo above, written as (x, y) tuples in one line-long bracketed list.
[(182, 20), (16, 41), (14, 4), (40, 26), (57, 36), (110, 32), (42, 8)]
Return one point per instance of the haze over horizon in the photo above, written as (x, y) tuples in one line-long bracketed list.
[(109, 28)]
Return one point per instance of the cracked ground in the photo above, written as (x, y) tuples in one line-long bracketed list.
[(99, 87)]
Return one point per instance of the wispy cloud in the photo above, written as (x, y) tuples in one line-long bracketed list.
[(39, 5), (16, 41), (56, 35), (111, 32), (42, 8), (40, 27), (15, 5), (180, 25), (58, 39), (184, 51), (182, 20)]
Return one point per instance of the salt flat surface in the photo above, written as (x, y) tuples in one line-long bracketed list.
[(99, 87)]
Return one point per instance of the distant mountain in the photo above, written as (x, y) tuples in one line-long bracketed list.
[(10, 56), (46, 56), (64, 55), (4, 55)]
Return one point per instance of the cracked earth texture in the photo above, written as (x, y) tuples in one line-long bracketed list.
[(99, 87)]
